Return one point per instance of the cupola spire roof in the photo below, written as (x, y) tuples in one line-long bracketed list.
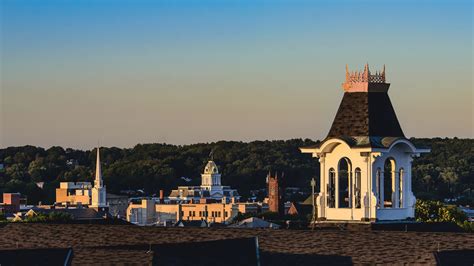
[(365, 109), (365, 81)]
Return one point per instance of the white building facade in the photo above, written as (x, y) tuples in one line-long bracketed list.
[(210, 188), (365, 161)]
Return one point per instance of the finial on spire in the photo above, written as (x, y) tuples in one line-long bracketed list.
[(366, 74)]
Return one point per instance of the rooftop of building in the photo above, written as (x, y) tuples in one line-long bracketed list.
[(365, 118), (132, 244)]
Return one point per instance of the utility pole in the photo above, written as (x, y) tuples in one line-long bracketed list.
[(313, 219)]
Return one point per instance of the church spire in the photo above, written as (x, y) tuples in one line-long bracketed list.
[(98, 171), (99, 194)]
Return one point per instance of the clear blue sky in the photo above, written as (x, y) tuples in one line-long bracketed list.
[(128, 72)]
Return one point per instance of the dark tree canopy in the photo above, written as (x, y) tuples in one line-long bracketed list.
[(446, 172)]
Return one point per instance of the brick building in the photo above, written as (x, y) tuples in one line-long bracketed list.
[(276, 192), (11, 203)]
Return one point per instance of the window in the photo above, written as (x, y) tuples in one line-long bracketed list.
[(190, 213), (225, 214), (331, 190), (357, 187), (344, 179)]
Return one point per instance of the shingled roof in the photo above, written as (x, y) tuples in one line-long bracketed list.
[(128, 244), (369, 114), (366, 117)]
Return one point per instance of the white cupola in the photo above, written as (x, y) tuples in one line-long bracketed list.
[(210, 177), (365, 161)]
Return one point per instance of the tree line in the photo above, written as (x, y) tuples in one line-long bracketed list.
[(446, 172)]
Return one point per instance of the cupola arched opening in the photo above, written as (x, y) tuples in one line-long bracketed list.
[(401, 182), (344, 180), (389, 183), (357, 187), (378, 187), (331, 188)]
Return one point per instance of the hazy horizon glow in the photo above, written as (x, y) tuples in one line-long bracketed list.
[(181, 72)]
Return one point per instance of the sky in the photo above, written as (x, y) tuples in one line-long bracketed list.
[(188, 71)]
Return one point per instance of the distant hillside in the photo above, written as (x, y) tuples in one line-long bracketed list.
[(446, 172)]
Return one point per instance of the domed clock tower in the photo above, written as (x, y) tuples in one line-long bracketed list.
[(211, 179)]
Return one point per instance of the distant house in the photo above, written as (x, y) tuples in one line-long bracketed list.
[(297, 208), (22, 215), (11, 203), (182, 223), (117, 205), (254, 222), (77, 214), (70, 193)]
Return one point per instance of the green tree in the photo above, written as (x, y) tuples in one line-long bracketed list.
[(435, 211)]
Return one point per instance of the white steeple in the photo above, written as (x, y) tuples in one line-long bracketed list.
[(98, 191), (98, 171)]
